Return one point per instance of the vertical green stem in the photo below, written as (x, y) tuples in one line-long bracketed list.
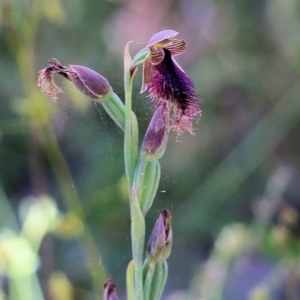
[(130, 161), (130, 158)]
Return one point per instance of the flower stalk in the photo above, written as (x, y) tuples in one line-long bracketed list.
[(130, 157)]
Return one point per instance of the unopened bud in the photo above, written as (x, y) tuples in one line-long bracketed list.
[(156, 137), (160, 242), (89, 82), (110, 290)]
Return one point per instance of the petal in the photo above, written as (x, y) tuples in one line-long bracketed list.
[(157, 56), (48, 86), (147, 70), (46, 82), (161, 36), (176, 47)]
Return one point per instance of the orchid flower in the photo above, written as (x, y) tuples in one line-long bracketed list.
[(166, 82)]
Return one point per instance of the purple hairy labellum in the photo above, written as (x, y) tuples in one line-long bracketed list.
[(89, 82), (167, 82), (110, 292), (160, 242)]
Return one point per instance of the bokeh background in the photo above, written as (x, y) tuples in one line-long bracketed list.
[(233, 187)]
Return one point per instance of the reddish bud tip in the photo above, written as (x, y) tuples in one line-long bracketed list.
[(110, 290)]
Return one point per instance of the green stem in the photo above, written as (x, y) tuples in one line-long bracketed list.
[(130, 158), (115, 108), (129, 142), (137, 240)]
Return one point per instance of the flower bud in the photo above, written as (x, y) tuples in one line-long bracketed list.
[(89, 82), (156, 137), (110, 290), (160, 242)]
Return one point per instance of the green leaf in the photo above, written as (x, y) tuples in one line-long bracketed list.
[(130, 281)]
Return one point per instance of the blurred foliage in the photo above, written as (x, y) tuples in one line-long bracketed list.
[(241, 167)]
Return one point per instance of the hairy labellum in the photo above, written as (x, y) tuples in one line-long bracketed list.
[(168, 83)]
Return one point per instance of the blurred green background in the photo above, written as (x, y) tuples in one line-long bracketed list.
[(233, 187)]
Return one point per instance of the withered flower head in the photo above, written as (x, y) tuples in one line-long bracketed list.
[(110, 292), (160, 242), (167, 82), (89, 82)]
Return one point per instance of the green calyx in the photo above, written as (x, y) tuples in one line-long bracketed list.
[(155, 277), (146, 180)]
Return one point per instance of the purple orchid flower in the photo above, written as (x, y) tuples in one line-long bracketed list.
[(166, 82)]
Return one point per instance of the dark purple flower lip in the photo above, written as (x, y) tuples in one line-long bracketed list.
[(167, 82)]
